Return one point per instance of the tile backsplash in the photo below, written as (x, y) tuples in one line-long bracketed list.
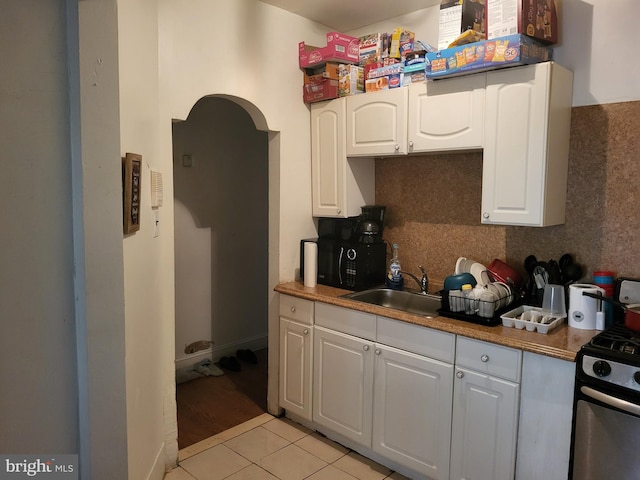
[(433, 203)]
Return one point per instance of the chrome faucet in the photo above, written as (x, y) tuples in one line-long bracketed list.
[(423, 282)]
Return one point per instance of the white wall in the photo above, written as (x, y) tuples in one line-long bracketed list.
[(221, 220), (597, 44), (148, 261), (38, 403)]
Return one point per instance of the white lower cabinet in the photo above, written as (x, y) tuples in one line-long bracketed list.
[(485, 411), (296, 355), (342, 384), (412, 410)]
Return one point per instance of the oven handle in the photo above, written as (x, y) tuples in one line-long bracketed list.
[(611, 401)]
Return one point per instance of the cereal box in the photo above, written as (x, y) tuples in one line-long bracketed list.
[(486, 55), (351, 80), (535, 18), (458, 16), (401, 43), (373, 47)]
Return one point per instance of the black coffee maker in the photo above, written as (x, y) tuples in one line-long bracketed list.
[(370, 224)]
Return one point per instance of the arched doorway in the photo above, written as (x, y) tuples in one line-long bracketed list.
[(222, 223)]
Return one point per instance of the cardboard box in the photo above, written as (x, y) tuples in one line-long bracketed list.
[(373, 48), (486, 55), (458, 16), (377, 84), (392, 73), (414, 73), (534, 18), (324, 90), (351, 80), (340, 48), (316, 74), (401, 43)]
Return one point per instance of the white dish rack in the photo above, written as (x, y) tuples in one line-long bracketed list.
[(513, 319)]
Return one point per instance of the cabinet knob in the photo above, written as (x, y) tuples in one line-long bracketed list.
[(410, 144), (306, 331), (378, 351), (484, 358), (485, 215), (339, 211), (397, 147), (459, 374), (365, 348), (293, 309)]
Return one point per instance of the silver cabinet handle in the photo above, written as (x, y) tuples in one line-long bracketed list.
[(365, 348), (293, 309), (485, 215), (339, 211), (459, 374), (378, 351), (305, 331), (410, 144), (484, 358), (397, 147)]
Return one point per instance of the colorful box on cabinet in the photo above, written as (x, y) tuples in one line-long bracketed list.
[(458, 16), (500, 52), (340, 48), (351, 80), (534, 18), (325, 89)]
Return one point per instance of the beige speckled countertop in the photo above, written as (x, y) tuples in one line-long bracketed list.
[(562, 342)]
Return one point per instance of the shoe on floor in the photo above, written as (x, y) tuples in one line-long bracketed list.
[(247, 356), (230, 363)]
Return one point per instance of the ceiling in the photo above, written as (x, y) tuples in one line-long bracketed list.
[(346, 15)]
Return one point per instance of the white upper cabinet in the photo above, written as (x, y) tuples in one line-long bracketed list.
[(377, 123), (339, 186), (526, 145), (446, 115)]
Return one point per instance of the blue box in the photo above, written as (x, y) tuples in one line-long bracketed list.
[(486, 55)]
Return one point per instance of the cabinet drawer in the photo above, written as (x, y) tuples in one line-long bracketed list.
[(297, 309), (416, 339), (489, 358), (345, 320)]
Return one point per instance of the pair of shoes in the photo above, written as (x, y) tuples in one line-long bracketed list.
[(247, 356), (230, 363)]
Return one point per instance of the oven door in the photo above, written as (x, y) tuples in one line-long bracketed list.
[(606, 435)]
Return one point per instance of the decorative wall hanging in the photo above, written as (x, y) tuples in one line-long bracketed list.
[(131, 178)]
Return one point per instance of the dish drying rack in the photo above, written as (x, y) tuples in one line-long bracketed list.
[(486, 312)]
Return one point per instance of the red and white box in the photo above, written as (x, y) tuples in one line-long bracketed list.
[(340, 48)]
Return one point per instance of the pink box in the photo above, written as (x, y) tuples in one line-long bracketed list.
[(340, 48)]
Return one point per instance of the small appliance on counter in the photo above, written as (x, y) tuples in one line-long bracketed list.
[(351, 252), (585, 312)]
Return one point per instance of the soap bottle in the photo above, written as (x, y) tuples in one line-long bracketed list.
[(395, 280)]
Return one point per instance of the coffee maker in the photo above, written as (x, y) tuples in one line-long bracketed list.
[(351, 252)]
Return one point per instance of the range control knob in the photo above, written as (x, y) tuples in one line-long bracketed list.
[(601, 368), (636, 377)]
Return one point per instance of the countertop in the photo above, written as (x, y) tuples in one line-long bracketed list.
[(563, 342)]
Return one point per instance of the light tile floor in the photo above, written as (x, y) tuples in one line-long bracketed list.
[(270, 448)]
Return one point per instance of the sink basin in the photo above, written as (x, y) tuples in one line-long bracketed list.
[(410, 302)]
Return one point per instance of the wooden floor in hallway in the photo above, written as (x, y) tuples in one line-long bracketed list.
[(210, 405)]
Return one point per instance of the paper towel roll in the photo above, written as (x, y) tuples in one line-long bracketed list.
[(310, 264)]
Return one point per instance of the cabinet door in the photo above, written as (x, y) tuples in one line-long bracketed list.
[(526, 145), (485, 420), (447, 115), (377, 123), (339, 186), (343, 384), (296, 370), (412, 410)]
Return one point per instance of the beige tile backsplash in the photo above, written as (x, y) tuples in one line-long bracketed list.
[(433, 203)]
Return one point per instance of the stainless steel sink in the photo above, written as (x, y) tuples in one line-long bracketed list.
[(406, 301)]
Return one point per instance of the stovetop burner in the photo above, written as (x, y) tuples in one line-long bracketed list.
[(619, 339)]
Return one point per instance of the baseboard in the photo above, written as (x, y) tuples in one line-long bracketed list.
[(218, 351)]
